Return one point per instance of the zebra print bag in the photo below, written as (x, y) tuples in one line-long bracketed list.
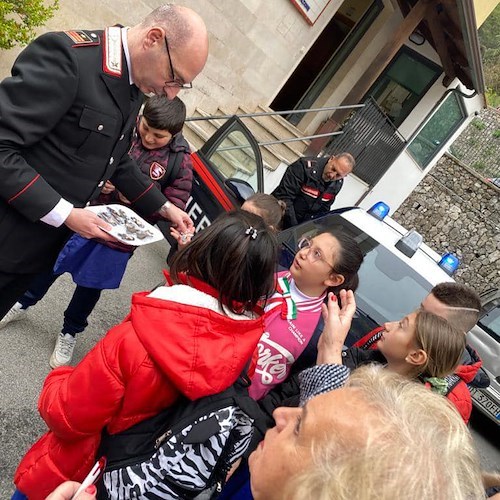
[(183, 451)]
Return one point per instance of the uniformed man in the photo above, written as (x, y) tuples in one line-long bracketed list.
[(66, 117), (310, 185)]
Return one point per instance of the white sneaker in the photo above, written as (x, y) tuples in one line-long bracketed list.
[(14, 313), (63, 351)]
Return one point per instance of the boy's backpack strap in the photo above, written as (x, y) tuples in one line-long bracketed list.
[(174, 165)]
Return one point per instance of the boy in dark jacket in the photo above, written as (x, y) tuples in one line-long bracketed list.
[(159, 149)]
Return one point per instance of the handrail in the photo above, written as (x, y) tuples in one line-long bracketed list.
[(244, 146), (271, 113)]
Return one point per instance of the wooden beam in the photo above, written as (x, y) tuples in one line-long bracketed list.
[(388, 51), (435, 21), (379, 63)]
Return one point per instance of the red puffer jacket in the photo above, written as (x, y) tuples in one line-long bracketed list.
[(179, 343)]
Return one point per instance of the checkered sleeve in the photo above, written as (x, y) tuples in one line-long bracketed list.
[(320, 379)]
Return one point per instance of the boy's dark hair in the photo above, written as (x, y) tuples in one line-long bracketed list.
[(348, 262), (165, 114), (226, 256), (463, 301)]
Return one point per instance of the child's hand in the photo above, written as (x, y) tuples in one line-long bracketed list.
[(337, 324), (182, 238), (67, 489)]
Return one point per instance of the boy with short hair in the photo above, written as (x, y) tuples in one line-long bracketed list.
[(162, 154)]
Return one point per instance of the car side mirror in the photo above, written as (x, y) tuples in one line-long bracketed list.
[(240, 188)]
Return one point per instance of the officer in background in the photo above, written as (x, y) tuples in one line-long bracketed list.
[(310, 185), (66, 116)]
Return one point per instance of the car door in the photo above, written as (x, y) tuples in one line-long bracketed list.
[(227, 170), (485, 339)]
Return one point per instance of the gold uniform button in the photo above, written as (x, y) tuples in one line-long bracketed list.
[(100, 127), (121, 137), (111, 161), (101, 184)]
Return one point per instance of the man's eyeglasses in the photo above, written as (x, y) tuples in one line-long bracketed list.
[(174, 83), (314, 254)]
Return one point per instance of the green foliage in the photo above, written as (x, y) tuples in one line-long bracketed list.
[(492, 98), (19, 18), (480, 125), (479, 165), (496, 134), (489, 35)]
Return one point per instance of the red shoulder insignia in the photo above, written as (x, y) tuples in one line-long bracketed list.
[(83, 38), (156, 171)]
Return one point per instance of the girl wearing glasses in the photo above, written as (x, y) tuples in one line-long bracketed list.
[(328, 262)]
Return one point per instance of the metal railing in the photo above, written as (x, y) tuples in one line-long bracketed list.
[(368, 134)]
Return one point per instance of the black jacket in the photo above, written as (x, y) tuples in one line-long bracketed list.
[(65, 128), (304, 191)]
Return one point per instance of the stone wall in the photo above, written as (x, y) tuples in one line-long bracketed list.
[(456, 211), (479, 144)]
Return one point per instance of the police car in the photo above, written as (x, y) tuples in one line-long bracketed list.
[(485, 338), (397, 273)]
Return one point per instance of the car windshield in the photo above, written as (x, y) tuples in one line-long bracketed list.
[(388, 288), (491, 323)]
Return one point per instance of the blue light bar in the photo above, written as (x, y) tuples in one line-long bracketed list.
[(449, 263), (379, 210)]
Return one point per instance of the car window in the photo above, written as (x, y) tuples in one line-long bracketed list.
[(491, 323), (389, 288), (235, 158)]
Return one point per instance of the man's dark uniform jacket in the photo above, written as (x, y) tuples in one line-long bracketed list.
[(305, 192), (66, 118)]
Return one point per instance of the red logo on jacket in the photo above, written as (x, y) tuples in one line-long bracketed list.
[(156, 171)]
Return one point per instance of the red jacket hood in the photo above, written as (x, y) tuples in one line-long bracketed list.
[(201, 350)]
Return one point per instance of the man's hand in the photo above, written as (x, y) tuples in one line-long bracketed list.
[(337, 324), (178, 218), (87, 224), (108, 188)]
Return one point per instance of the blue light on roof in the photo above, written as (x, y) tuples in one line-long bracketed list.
[(379, 210), (449, 263)]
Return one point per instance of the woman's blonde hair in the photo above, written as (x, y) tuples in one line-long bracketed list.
[(417, 447), (443, 343)]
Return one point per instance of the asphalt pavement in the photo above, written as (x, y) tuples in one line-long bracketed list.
[(26, 346)]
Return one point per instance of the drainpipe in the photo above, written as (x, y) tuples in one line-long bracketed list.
[(468, 23)]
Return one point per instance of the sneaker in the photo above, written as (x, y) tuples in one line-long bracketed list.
[(63, 351), (14, 313)]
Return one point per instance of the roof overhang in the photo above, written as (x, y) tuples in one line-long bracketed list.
[(450, 27)]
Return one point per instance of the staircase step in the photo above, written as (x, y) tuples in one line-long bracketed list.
[(283, 127), (271, 155), (267, 129)]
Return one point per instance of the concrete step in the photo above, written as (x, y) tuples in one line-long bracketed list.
[(271, 156), (282, 128), (264, 133)]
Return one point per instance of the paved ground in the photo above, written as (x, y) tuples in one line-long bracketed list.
[(26, 346)]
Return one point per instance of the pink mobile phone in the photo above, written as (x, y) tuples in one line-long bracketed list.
[(92, 476)]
